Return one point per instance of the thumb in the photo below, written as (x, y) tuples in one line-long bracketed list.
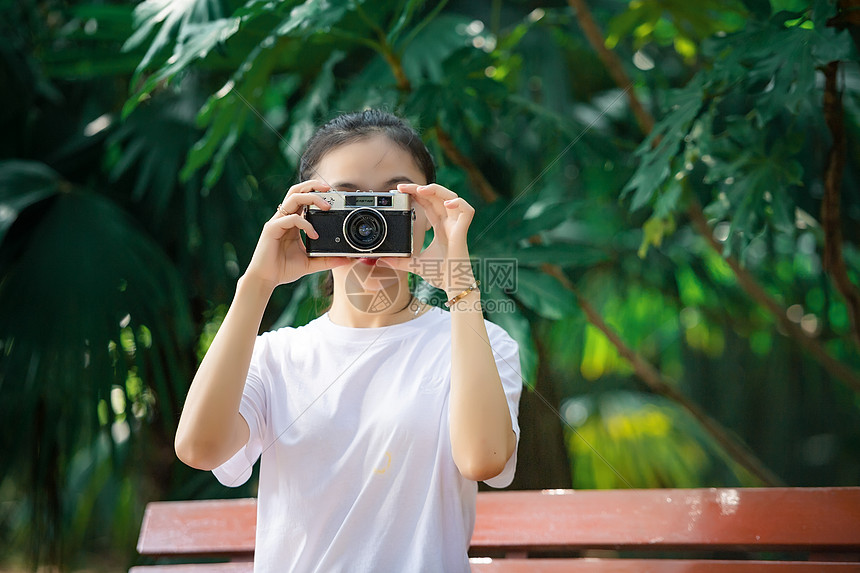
[(316, 264)]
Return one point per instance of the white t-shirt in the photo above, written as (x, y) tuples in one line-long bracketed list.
[(352, 427)]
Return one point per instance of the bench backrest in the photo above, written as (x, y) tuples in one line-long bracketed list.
[(751, 519)]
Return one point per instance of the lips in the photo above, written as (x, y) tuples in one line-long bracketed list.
[(370, 262)]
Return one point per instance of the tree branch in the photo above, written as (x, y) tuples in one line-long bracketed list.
[(756, 292), (612, 62), (403, 83), (831, 222), (744, 277), (458, 158), (659, 385), (386, 50), (642, 367)]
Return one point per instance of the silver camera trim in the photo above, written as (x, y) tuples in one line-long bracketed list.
[(337, 199)]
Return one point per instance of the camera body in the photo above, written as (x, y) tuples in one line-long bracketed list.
[(361, 224)]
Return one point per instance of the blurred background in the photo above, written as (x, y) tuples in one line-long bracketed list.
[(676, 183)]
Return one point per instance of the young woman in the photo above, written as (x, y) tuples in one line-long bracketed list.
[(373, 425)]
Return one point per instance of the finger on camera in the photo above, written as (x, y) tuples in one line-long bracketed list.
[(317, 264), (461, 204), (294, 202), (307, 187), (431, 209), (432, 194), (434, 189), (408, 187), (433, 216), (294, 221), (434, 208)]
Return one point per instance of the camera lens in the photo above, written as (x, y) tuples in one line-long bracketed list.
[(364, 229)]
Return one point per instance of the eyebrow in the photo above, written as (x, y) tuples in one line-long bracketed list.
[(388, 184)]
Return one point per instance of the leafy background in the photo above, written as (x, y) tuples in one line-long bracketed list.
[(676, 182)]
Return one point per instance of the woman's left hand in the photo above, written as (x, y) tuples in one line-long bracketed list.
[(445, 262)]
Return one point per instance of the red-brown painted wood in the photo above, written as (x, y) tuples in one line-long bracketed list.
[(576, 566), (752, 519), (243, 567), (818, 520), (656, 566), (215, 527)]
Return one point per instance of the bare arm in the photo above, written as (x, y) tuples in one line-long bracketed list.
[(482, 437), (211, 430)]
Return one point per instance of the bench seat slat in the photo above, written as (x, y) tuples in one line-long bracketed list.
[(657, 566), (576, 566), (236, 567), (211, 527)]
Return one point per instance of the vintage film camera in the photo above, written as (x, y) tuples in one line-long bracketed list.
[(362, 224)]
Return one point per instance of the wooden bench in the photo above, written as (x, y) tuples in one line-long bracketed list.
[(689, 530)]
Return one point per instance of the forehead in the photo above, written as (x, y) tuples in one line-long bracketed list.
[(368, 163)]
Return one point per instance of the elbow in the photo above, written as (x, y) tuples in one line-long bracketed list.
[(481, 467), (209, 447), (484, 461), (196, 454)]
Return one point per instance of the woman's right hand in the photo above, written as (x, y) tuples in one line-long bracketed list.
[(280, 256)]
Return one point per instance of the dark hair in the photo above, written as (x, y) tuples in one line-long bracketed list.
[(352, 127)]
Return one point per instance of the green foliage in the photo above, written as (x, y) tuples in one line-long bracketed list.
[(144, 146), (762, 76), (622, 439), (184, 32), (81, 312), (659, 150), (675, 22)]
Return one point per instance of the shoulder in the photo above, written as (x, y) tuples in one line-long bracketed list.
[(287, 335)]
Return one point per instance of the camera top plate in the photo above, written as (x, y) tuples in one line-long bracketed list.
[(380, 200)]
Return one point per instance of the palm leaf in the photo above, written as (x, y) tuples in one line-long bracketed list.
[(87, 301), (191, 223), (22, 184)]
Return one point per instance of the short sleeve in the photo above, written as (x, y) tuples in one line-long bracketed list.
[(236, 471), (506, 352)]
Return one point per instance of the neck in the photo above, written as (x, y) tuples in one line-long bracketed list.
[(371, 297)]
